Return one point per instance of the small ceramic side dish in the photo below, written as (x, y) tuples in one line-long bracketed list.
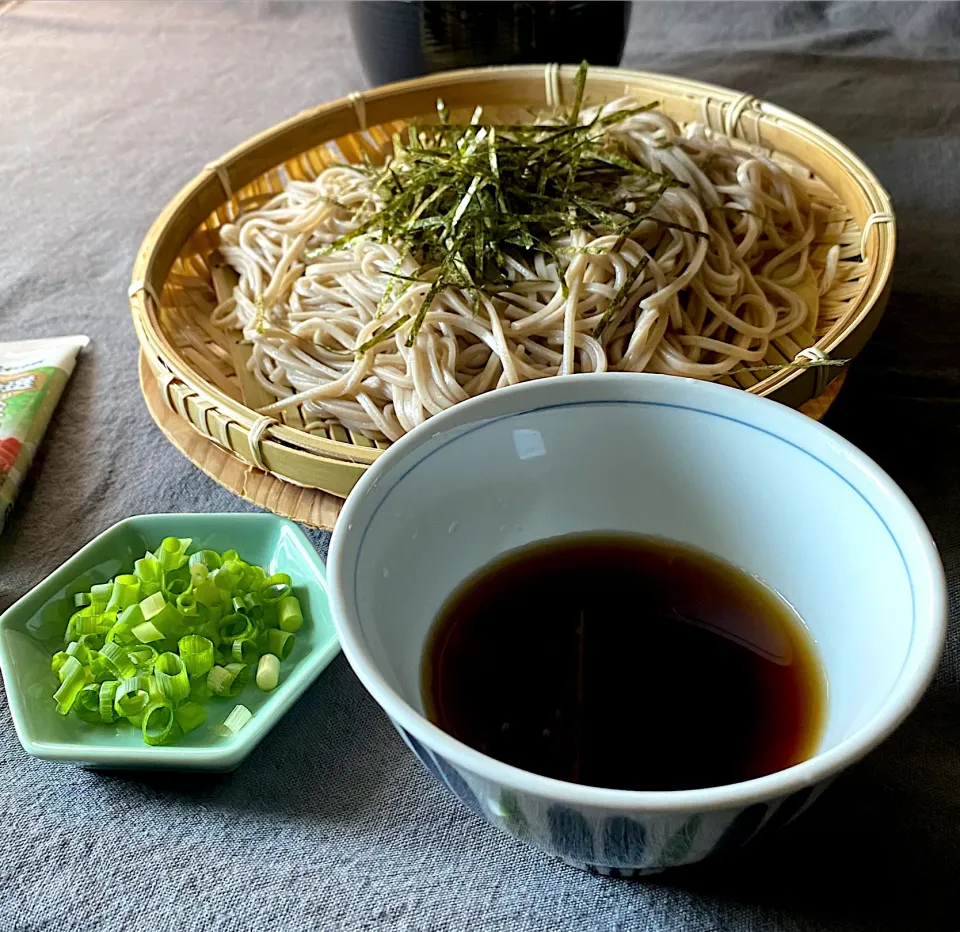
[(742, 477), (31, 630)]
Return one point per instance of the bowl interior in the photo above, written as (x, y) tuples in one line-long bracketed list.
[(743, 478), (32, 630)]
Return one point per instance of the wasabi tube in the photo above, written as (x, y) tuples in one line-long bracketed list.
[(32, 376)]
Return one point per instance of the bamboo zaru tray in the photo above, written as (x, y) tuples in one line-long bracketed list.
[(200, 370)]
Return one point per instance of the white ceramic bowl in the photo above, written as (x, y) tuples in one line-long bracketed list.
[(748, 479)]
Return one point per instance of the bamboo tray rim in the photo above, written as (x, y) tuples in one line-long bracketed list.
[(312, 507)]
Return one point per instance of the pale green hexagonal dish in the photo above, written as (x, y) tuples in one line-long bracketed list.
[(31, 630)]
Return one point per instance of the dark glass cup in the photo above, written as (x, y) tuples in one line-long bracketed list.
[(400, 39)]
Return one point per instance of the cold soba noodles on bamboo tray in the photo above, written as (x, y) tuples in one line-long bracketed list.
[(347, 300)]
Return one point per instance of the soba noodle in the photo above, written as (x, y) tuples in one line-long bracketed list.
[(702, 306)]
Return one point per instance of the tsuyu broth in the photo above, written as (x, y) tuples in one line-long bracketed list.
[(626, 662)]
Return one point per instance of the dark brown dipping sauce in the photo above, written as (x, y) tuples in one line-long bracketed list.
[(625, 662)]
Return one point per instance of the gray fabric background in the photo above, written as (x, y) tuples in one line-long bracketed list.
[(105, 110)]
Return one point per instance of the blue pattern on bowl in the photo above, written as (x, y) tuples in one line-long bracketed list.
[(790, 808), (624, 841), (570, 835), (444, 772), (745, 823), (612, 844)]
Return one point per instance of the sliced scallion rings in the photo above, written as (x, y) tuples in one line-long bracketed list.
[(228, 680), (280, 643), (190, 715), (106, 699), (158, 721), (238, 717), (196, 652), (291, 617), (132, 696), (88, 703), (244, 650), (172, 677), (118, 659), (152, 647)]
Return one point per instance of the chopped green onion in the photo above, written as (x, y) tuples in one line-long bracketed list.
[(198, 687), (150, 573), (105, 701), (171, 554), (210, 631), (279, 642), (275, 593), (90, 620), (268, 672), (198, 573), (257, 576), (270, 617), (143, 655), (101, 593), (253, 606), (176, 587), (118, 660), (143, 647), (209, 559), (172, 677), (228, 680), (238, 717), (291, 617), (73, 660), (207, 593), (121, 633), (227, 577), (79, 650), (236, 626), (176, 732), (190, 715), (244, 650), (94, 624), (93, 642), (196, 652), (87, 705), (73, 678), (187, 603), (126, 592), (132, 696), (152, 605), (158, 721), (199, 617), (132, 615), (100, 670), (148, 632), (153, 690), (219, 680), (169, 621)]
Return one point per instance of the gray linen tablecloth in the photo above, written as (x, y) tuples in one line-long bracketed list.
[(105, 110)]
